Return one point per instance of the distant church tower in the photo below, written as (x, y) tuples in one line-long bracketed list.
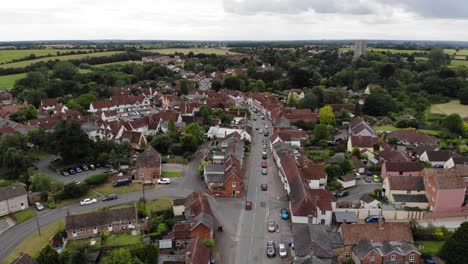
[(360, 48)]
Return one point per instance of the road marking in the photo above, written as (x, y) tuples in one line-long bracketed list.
[(239, 225), (253, 224)]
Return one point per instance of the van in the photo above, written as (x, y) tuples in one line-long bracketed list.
[(121, 182)]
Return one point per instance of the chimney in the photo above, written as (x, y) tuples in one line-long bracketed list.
[(188, 257), (381, 222)]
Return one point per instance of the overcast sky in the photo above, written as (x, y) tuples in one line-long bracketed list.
[(233, 19)]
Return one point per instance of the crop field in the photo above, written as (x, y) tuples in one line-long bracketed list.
[(455, 63), (450, 108), (66, 57), (217, 51), (7, 81), (118, 63), (387, 50), (9, 55)]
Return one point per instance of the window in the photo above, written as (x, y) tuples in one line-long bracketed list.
[(324, 212), (401, 173), (322, 221), (110, 225), (234, 184), (411, 257), (348, 255), (408, 191), (372, 258), (393, 257)]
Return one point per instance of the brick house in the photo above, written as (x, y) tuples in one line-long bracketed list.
[(198, 214), (94, 223), (402, 168), (148, 165), (445, 193), (224, 179), (367, 252), (411, 138), (13, 198)]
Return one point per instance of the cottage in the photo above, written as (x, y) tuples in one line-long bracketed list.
[(148, 167), (359, 127), (216, 132), (405, 168), (368, 202), (292, 137), (411, 138), (367, 251), (366, 144), (13, 198), (437, 158)]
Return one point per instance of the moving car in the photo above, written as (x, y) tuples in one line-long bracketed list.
[(164, 181), (271, 226), (248, 205), (264, 171), (39, 206), (264, 164), (284, 214), (271, 249), (88, 201), (373, 219), (110, 197), (264, 186), (282, 251)]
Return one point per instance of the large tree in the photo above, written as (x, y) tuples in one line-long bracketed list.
[(453, 123), (463, 96), (48, 255), (69, 141), (120, 256), (454, 249), (326, 116)]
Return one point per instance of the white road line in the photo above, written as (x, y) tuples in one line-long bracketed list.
[(239, 225), (253, 224)]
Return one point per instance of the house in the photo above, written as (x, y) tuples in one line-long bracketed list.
[(437, 158), (366, 144), (314, 175), (136, 139), (292, 137), (6, 97), (359, 127), (199, 215), (94, 223), (48, 104), (420, 149), (13, 198), (300, 115), (148, 167), (347, 181), (351, 108), (412, 138), (224, 179), (389, 154), (405, 191), (368, 202), (197, 252), (445, 193), (402, 168), (402, 251), (359, 165), (456, 161), (216, 132)]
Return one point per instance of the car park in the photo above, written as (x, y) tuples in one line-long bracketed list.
[(38, 206), (264, 186), (88, 201), (271, 249), (110, 197), (271, 226), (264, 171), (164, 181), (248, 205), (282, 250), (284, 214), (373, 219)]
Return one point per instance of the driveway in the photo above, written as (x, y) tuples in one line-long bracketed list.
[(360, 189)]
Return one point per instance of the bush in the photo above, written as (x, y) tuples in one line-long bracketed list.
[(72, 190), (51, 204), (97, 179)]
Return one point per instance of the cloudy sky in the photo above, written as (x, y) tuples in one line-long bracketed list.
[(233, 19)]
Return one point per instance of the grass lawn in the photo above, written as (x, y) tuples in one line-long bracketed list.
[(7, 81), (431, 248), (158, 205), (451, 107), (66, 57), (107, 188), (168, 174), (83, 242), (393, 128), (217, 51), (84, 70), (122, 239), (24, 215), (9, 55), (33, 244)]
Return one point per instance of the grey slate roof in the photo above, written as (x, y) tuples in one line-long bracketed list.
[(345, 217), (204, 218), (14, 190), (100, 218), (314, 239), (410, 198)]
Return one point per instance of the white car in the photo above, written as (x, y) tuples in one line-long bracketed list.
[(88, 201), (164, 181), (39, 206), (282, 251)]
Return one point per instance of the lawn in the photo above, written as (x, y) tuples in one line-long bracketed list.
[(168, 174), (451, 107), (24, 215), (430, 248), (122, 239), (158, 205), (66, 57), (9, 55), (7, 81), (107, 188), (33, 244), (217, 51)]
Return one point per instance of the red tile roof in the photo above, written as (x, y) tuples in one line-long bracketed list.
[(413, 136), (363, 141), (394, 231)]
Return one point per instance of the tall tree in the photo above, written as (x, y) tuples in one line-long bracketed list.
[(48, 255), (453, 123), (120, 256), (70, 141), (326, 116), (454, 249)]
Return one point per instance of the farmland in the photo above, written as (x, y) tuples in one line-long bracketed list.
[(450, 108), (119, 63), (7, 81), (456, 63), (217, 51), (9, 55), (66, 57), (385, 50)]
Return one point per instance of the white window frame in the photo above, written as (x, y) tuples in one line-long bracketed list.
[(393, 257)]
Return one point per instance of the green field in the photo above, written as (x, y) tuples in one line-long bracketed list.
[(386, 50), (119, 63), (122, 239), (168, 174), (9, 55), (8, 81), (389, 128), (456, 63), (217, 51), (450, 108), (66, 57), (430, 248)]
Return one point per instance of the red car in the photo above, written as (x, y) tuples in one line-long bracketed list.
[(264, 163), (248, 205)]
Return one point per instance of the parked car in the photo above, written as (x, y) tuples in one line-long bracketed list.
[(110, 197), (92, 167), (65, 173), (373, 219), (85, 168), (260, 131), (264, 145), (254, 118), (284, 214), (271, 249), (72, 171), (78, 169), (264, 155), (88, 201), (271, 226), (266, 133), (264, 171), (121, 182), (341, 194), (282, 251), (164, 181), (248, 205), (39, 206), (264, 186), (256, 128), (367, 179), (264, 164)]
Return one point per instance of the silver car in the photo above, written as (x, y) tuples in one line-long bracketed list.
[(271, 226)]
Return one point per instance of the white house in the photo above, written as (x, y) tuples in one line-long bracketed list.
[(347, 181), (437, 158), (221, 132)]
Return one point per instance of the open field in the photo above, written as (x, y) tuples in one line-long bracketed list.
[(118, 63), (217, 51), (388, 50), (168, 174), (456, 63), (9, 55), (34, 243), (451, 107), (66, 57), (8, 81)]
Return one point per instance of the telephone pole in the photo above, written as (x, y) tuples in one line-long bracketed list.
[(38, 227)]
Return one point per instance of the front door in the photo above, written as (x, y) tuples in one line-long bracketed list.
[(233, 193)]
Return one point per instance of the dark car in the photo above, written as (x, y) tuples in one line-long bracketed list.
[(248, 205), (264, 186), (341, 194), (271, 249), (373, 219), (110, 197), (72, 171), (284, 214)]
